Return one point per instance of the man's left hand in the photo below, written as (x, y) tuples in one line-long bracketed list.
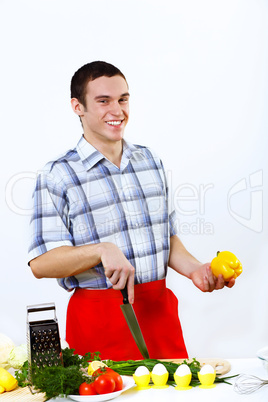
[(204, 279)]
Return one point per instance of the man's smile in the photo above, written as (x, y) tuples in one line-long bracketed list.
[(114, 122)]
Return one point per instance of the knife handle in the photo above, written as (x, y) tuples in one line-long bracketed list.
[(125, 295)]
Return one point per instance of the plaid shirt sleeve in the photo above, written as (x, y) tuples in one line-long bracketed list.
[(172, 216), (49, 225)]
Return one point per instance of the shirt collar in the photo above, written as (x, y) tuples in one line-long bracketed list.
[(130, 151), (90, 155)]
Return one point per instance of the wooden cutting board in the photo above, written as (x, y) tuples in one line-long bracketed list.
[(22, 395), (220, 365)]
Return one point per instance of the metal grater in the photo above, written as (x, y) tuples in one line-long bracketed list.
[(43, 338)]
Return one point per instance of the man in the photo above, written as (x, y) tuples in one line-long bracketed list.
[(101, 222)]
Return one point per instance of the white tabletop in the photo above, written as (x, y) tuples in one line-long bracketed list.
[(222, 392)]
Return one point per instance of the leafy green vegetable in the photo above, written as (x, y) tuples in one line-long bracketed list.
[(57, 380), (17, 356), (22, 375), (72, 359), (6, 345)]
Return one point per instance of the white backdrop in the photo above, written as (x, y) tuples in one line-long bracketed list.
[(197, 71)]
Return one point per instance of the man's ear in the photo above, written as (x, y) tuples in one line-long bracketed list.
[(77, 107)]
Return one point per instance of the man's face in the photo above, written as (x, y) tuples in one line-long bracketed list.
[(107, 108)]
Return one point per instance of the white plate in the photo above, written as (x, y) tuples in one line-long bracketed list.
[(128, 382)]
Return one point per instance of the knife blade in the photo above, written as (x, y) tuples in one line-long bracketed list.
[(133, 324)]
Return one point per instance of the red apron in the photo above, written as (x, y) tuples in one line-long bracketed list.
[(95, 323)]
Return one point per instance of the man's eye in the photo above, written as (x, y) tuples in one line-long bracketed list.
[(123, 100), (103, 101)]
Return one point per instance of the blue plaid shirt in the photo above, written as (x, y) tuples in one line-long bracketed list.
[(82, 198)]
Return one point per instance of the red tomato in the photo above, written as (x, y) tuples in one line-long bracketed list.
[(104, 384), (87, 389), (108, 371), (117, 378)]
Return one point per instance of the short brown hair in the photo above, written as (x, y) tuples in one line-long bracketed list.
[(89, 72)]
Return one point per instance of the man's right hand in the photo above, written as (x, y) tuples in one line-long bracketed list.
[(65, 261), (118, 269)]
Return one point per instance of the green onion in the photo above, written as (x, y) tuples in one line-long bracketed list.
[(129, 367)]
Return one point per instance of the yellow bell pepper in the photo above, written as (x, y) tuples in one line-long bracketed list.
[(227, 264), (7, 381)]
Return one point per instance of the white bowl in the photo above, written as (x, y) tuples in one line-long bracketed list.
[(262, 354)]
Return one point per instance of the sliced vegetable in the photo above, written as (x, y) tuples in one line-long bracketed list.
[(93, 366)]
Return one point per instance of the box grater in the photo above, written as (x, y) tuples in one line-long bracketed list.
[(43, 338)]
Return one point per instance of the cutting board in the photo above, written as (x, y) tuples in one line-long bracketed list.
[(220, 365), (24, 394)]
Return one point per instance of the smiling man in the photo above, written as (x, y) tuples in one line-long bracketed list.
[(104, 115), (101, 223)]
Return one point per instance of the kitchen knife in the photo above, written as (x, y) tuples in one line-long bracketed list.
[(133, 324)]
